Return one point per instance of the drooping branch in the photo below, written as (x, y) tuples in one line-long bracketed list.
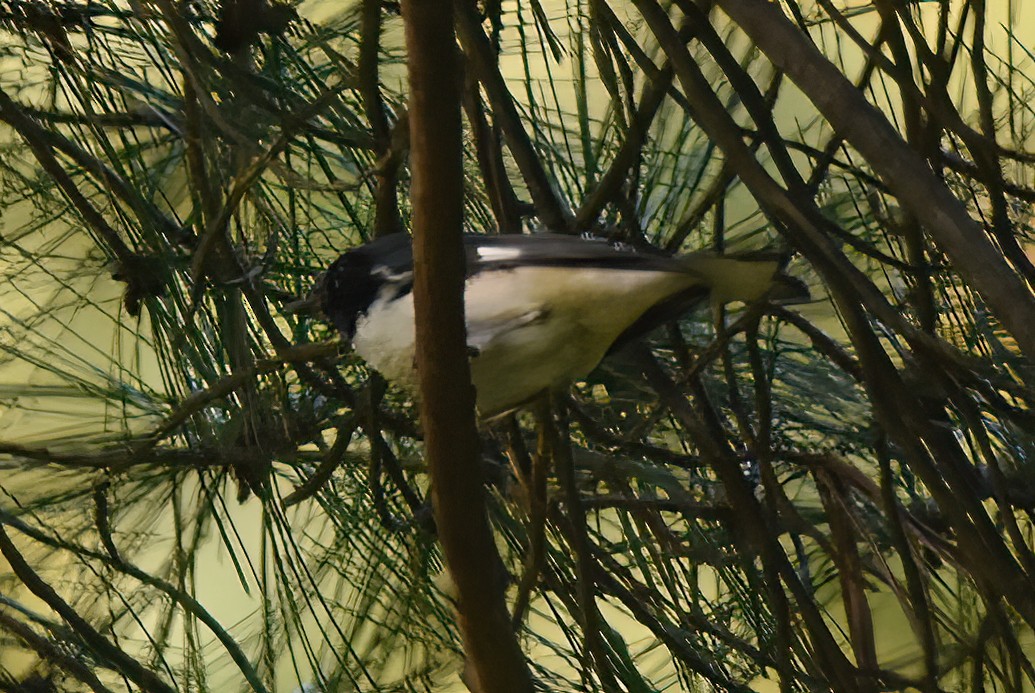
[(906, 173), (95, 640), (951, 479), (34, 135)]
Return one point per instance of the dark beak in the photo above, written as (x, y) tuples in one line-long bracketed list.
[(312, 303)]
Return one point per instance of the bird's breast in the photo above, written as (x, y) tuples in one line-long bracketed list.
[(531, 328), (384, 337)]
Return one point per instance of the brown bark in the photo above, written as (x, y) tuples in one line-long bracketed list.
[(450, 434), (386, 206)]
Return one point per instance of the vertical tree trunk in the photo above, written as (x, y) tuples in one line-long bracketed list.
[(450, 434)]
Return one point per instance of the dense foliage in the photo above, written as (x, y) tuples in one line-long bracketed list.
[(202, 489)]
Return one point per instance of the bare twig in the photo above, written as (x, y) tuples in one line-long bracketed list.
[(867, 129)]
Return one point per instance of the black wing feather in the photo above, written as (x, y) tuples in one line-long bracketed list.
[(559, 250), (360, 276)]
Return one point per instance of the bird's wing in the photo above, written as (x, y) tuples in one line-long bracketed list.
[(483, 331), (737, 277), (388, 255), (391, 257), (559, 250), (386, 264)]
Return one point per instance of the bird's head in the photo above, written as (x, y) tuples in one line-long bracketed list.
[(342, 293), (347, 289), (376, 271)]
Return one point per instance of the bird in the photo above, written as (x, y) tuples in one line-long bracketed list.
[(542, 309)]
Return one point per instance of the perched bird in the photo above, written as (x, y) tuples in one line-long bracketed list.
[(542, 310)]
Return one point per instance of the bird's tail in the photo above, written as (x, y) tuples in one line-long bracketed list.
[(721, 279), (746, 277)]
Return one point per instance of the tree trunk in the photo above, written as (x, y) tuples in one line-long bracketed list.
[(450, 434)]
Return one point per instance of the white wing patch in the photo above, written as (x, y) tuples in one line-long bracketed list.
[(491, 254), (390, 276)]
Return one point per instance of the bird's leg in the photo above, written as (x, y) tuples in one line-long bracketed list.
[(537, 509), (516, 451)]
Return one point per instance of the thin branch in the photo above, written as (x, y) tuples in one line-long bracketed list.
[(185, 600), (104, 648), (552, 211), (558, 445), (36, 138), (52, 652), (322, 474)]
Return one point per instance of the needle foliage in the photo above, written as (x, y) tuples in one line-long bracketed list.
[(202, 489)]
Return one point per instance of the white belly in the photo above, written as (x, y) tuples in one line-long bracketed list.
[(533, 328)]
